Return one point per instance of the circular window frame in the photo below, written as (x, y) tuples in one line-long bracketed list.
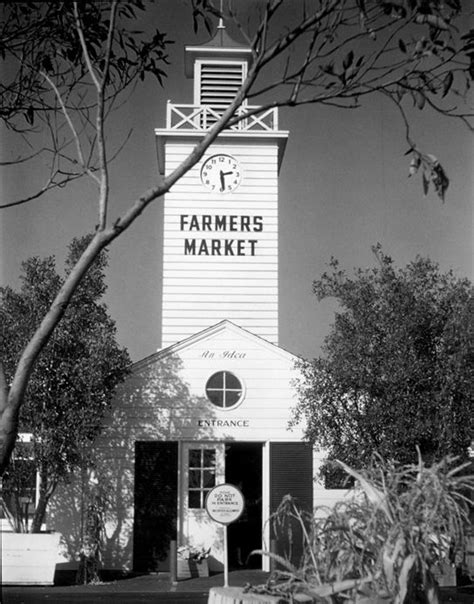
[(242, 394)]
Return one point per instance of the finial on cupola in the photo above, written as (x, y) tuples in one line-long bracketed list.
[(221, 25)]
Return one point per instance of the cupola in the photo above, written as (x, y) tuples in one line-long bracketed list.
[(219, 68)]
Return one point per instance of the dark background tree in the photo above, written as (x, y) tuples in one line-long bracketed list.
[(334, 53), (397, 367), (74, 380)]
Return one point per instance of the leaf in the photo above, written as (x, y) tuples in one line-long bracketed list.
[(433, 21), (389, 560), (329, 68), (47, 64), (377, 498), (400, 92), (348, 60), (419, 98), (426, 184), (414, 165), (282, 561), (404, 577), (329, 589), (300, 597), (447, 83), (30, 115), (440, 180), (431, 590)]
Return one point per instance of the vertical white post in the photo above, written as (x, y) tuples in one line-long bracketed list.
[(226, 559), (266, 503)]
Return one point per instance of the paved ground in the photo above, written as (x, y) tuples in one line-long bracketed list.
[(156, 589)]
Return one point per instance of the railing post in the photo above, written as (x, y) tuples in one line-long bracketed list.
[(168, 114), (173, 562)]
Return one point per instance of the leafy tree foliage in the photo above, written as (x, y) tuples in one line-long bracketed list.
[(75, 377), (396, 372), (43, 38)]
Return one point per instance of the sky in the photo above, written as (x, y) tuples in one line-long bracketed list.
[(343, 187)]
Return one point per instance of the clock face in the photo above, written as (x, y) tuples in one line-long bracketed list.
[(221, 173)]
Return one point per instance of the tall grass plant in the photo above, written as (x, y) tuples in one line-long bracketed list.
[(384, 543)]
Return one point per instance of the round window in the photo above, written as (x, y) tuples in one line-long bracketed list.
[(224, 390)]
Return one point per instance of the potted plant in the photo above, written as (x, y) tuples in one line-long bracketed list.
[(69, 393), (192, 562)]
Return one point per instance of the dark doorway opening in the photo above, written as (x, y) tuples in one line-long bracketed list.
[(156, 487), (243, 468)]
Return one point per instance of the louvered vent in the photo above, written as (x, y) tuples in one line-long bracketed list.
[(219, 84)]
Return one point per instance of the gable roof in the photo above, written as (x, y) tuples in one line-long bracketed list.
[(210, 332)]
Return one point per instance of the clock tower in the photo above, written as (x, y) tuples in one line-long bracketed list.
[(213, 405), (220, 258)]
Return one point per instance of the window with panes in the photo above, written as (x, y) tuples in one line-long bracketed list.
[(224, 389), (201, 475)]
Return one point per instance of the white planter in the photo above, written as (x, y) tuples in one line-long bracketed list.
[(236, 595), (29, 558)]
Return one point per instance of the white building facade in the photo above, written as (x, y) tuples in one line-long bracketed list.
[(215, 403)]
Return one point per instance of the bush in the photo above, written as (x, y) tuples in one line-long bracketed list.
[(384, 542)]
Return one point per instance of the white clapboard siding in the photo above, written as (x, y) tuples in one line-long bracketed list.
[(213, 274), (232, 300), (164, 399), (268, 288), (266, 239), (266, 333), (267, 282), (246, 204), (165, 396)]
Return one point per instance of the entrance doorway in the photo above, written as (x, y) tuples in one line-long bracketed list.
[(243, 468), (205, 465)]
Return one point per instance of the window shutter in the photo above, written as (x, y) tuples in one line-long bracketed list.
[(156, 493), (291, 473), (219, 84)]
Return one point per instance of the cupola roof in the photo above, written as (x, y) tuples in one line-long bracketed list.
[(220, 46)]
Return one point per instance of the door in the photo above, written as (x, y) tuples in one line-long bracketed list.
[(202, 469), (205, 465), (243, 468)]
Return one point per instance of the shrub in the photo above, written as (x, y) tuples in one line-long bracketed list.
[(384, 542)]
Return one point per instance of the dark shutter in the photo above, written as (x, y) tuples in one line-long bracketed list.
[(156, 502), (291, 473)]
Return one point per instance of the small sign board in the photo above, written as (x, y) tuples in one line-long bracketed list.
[(224, 503)]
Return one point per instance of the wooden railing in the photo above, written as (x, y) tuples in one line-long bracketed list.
[(203, 117)]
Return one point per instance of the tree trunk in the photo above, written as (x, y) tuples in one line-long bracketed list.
[(46, 490), (8, 434)]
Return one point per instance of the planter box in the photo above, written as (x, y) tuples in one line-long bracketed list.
[(29, 558), (445, 574), (236, 595), (190, 569)]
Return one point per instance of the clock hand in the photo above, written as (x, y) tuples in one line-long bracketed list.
[(222, 176)]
